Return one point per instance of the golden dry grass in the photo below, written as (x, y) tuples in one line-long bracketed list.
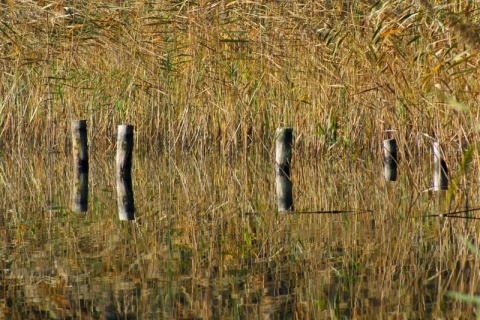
[(224, 74)]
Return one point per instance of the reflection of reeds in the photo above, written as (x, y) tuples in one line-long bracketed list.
[(195, 250)]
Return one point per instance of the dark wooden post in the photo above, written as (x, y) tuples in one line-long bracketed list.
[(80, 170), (440, 170), (125, 199), (390, 159), (283, 159), (79, 144)]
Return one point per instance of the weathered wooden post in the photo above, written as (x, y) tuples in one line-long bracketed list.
[(390, 159), (440, 170), (125, 200), (283, 159), (80, 170), (79, 144)]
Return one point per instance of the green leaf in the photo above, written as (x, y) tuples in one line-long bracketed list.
[(459, 106), (463, 297)]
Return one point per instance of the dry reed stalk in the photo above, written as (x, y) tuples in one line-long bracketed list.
[(223, 75)]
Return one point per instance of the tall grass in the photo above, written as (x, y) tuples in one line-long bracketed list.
[(221, 75)]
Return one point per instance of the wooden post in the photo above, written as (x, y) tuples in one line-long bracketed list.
[(125, 200), (390, 159), (440, 170), (79, 144), (80, 170), (283, 158)]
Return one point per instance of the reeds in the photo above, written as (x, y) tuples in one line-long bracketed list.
[(202, 75), (199, 77)]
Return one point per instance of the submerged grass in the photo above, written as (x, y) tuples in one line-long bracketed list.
[(462, 296), (206, 230)]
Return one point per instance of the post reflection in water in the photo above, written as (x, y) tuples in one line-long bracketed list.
[(80, 164), (80, 190), (283, 159), (125, 200), (126, 205)]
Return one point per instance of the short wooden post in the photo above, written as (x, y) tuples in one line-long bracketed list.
[(283, 158), (390, 159), (125, 200), (440, 170), (80, 170), (79, 144)]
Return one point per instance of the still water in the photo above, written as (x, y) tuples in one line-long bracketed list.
[(208, 243)]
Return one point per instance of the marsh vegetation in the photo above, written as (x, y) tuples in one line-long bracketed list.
[(206, 83)]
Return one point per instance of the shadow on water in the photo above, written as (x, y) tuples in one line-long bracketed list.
[(208, 243)]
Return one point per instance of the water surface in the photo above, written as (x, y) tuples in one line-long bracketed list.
[(208, 243)]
